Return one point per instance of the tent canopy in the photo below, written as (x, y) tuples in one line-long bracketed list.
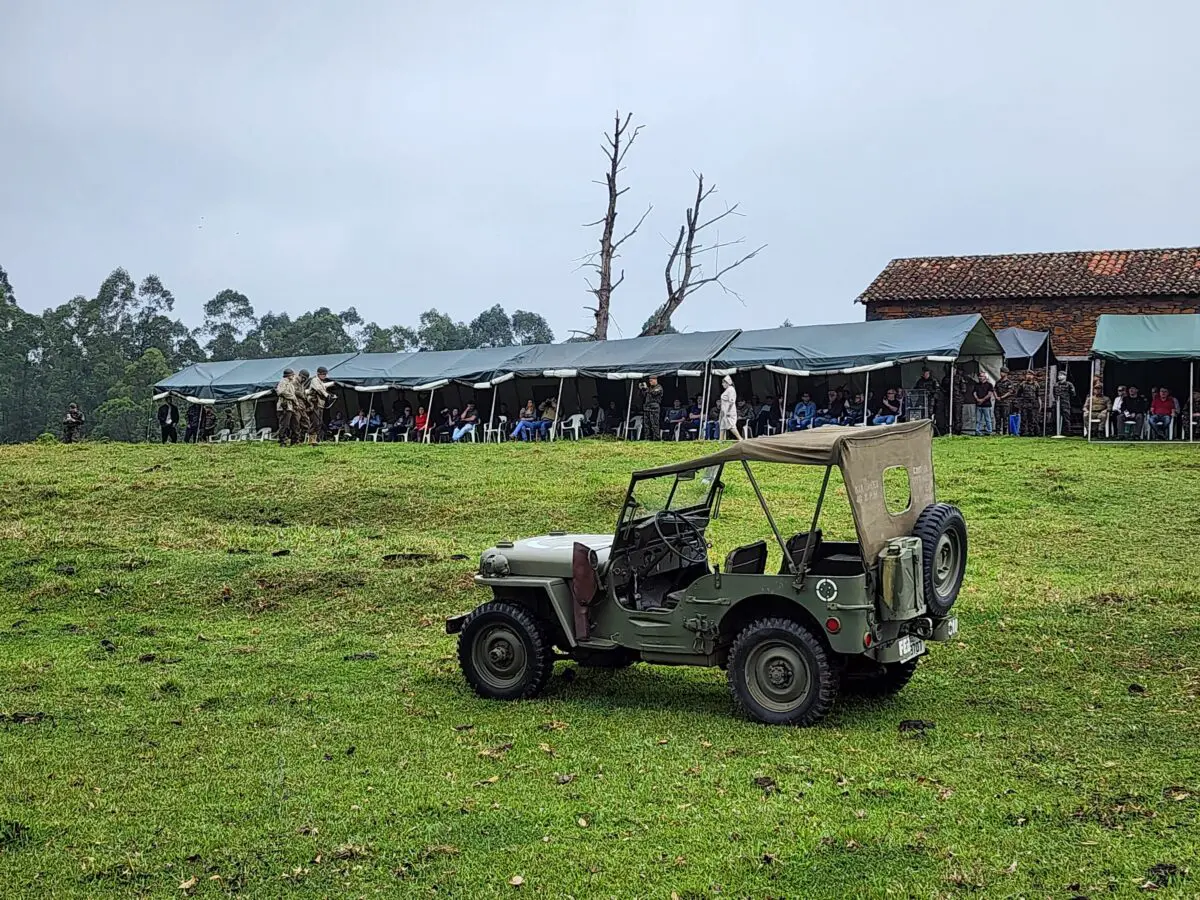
[(663, 354), (859, 346), (1020, 343), (195, 382), (1137, 338), (239, 379)]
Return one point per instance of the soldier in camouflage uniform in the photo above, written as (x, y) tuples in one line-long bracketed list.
[(1064, 400), (317, 392), (1026, 403), (285, 406), (652, 408), (1005, 392), (303, 407)]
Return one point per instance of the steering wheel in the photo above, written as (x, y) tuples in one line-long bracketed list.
[(697, 535)]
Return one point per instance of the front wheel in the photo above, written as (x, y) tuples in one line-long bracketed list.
[(781, 674), (505, 652)]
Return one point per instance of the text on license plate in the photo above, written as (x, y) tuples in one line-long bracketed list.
[(909, 646)]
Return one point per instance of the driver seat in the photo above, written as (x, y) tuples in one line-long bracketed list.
[(750, 559)]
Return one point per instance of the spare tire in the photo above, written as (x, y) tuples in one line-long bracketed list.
[(943, 534)]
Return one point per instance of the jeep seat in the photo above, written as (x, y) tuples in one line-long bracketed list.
[(795, 549), (748, 560)]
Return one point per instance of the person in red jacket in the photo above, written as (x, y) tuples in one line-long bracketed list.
[(1162, 412)]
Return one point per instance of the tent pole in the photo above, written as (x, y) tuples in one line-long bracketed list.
[(492, 417), (429, 416), (1192, 400), (1046, 396), (950, 404), (867, 398), (704, 404), (1087, 404), (783, 406), (628, 410), (557, 413), (370, 408)]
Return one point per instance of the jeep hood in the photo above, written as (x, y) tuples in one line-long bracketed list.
[(548, 556)]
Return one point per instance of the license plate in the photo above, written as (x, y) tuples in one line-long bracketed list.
[(909, 647)]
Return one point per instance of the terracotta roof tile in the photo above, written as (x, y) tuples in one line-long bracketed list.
[(1102, 273)]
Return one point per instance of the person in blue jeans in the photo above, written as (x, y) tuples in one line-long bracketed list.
[(525, 423), (889, 409), (466, 423), (803, 413), (984, 396), (835, 409)]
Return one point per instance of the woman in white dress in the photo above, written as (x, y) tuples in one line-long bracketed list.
[(728, 420)]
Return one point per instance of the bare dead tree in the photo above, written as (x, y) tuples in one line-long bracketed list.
[(600, 261), (685, 273)]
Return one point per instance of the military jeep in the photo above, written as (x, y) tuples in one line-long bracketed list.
[(851, 616)]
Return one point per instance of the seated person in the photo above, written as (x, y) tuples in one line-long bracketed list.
[(855, 411), (402, 426), (1096, 409), (549, 411), (1162, 413), (1133, 413), (765, 414), (420, 423), (337, 424), (803, 413), (444, 425), (833, 412), (889, 409), (374, 423), (902, 397), (1115, 409), (691, 426), (525, 422), (613, 419), (466, 423), (675, 416), (711, 424), (593, 418), (358, 425), (744, 413)]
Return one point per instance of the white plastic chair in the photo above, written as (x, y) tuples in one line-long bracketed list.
[(572, 426), (220, 437), (242, 434), (264, 434), (497, 432), (635, 425)]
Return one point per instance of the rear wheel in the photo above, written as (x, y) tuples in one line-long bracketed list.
[(880, 680), (781, 674), (505, 652), (943, 534)]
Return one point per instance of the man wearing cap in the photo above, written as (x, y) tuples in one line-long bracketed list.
[(317, 391), (1005, 392), (285, 406), (303, 407)]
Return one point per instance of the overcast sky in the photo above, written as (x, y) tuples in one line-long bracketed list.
[(395, 156)]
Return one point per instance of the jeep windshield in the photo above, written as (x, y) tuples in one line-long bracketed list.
[(693, 489)]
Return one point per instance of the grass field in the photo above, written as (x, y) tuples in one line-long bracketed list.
[(213, 680)]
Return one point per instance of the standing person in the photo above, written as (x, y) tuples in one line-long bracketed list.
[(924, 392), (984, 396), (192, 432), (1026, 405), (168, 419), (1005, 392), (965, 402), (72, 423), (208, 423), (1064, 398), (652, 407), (318, 396), (285, 407), (303, 407), (729, 410)]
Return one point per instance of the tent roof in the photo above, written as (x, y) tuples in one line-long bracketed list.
[(235, 379), (1134, 338), (811, 349), (662, 354), (823, 446), (1021, 343), (195, 381)]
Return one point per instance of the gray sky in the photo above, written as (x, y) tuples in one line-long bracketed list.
[(396, 156)]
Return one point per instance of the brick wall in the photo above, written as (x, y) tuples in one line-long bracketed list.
[(1072, 321)]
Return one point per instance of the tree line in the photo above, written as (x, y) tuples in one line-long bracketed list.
[(107, 352)]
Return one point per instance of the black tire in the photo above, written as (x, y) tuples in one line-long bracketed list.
[(880, 681), (505, 652), (943, 533), (766, 664)]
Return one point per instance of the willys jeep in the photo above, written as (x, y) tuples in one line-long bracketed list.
[(839, 615)]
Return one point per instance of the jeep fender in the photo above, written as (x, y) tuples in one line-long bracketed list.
[(537, 594)]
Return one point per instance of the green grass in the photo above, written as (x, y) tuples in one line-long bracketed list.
[(179, 704)]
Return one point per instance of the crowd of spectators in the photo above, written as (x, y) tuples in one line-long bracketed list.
[(1131, 415)]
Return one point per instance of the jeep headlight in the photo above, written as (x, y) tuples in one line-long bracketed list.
[(493, 564)]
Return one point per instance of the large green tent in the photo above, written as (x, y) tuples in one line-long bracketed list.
[(1144, 338)]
